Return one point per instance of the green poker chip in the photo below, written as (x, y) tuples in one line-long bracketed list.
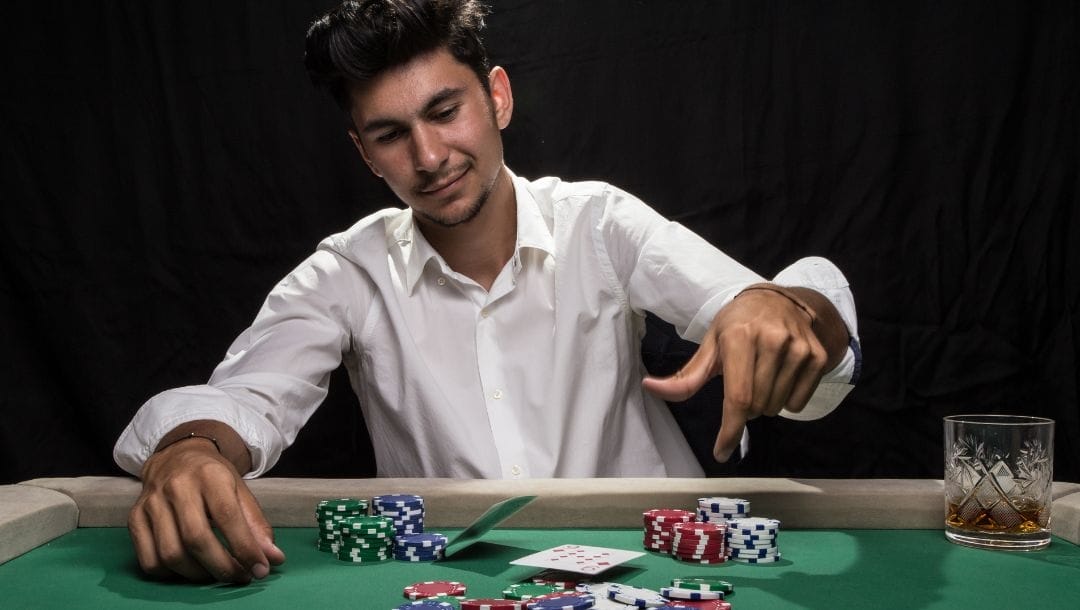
[(524, 591), (703, 584)]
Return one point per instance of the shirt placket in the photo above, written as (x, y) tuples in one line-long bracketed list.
[(501, 399)]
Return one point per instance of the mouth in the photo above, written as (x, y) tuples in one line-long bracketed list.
[(443, 186)]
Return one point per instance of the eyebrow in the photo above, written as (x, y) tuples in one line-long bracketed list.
[(437, 99)]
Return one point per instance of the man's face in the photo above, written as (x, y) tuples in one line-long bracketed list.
[(431, 131)]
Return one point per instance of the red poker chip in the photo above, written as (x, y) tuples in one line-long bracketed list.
[(698, 527), (702, 561), (699, 549), (431, 588), (490, 603), (558, 595), (704, 604), (662, 515), (679, 541), (694, 536), (701, 557), (701, 542)]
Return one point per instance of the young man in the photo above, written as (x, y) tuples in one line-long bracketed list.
[(491, 328)]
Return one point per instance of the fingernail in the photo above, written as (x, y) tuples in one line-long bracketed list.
[(260, 570)]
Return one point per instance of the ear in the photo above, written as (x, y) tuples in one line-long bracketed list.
[(355, 137), (502, 98)]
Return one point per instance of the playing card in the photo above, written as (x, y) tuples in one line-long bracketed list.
[(578, 558)]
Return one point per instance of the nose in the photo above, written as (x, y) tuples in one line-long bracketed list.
[(429, 150)]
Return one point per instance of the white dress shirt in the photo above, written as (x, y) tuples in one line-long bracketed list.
[(538, 377)]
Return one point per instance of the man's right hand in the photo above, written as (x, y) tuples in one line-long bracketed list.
[(188, 488)]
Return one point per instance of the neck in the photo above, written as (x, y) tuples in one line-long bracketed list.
[(479, 248)]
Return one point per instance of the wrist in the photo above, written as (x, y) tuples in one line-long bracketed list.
[(187, 437), (789, 294)]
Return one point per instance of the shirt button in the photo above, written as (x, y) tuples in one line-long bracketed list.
[(497, 394), (441, 281), (483, 313), (515, 470)]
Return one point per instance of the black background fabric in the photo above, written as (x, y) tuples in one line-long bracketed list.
[(165, 163)]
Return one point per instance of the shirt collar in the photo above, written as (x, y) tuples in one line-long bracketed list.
[(533, 231)]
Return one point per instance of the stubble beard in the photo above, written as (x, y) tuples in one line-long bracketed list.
[(470, 212)]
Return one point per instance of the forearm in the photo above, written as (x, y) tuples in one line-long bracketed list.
[(229, 443)]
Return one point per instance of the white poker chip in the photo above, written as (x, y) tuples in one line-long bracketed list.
[(690, 594), (636, 596)]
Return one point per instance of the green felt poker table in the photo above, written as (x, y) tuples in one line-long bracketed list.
[(845, 544)]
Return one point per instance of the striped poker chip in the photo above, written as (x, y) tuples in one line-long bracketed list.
[(712, 604), (690, 594), (636, 596), (529, 590), (431, 588), (426, 604), (767, 559), (667, 515), (702, 583), (398, 501), (491, 603), (431, 539), (751, 534), (754, 524), (756, 553), (697, 527), (720, 504), (563, 600)]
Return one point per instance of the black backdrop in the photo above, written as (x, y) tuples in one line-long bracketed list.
[(164, 163)]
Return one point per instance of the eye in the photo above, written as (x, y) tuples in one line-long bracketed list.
[(388, 136), (447, 114)]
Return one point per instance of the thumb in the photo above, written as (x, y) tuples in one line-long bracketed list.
[(689, 379)]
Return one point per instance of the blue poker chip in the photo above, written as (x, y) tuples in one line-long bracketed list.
[(581, 601), (419, 551), (397, 500), (430, 539)]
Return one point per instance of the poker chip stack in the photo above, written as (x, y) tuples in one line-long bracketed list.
[(753, 540), (659, 523), (407, 511), (698, 542), (419, 547), (722, 509), (366, 539), (330, 514)]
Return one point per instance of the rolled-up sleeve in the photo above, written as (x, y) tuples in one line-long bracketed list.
[(823, 276), (275, 374)]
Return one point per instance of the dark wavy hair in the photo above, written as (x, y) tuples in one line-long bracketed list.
[(355, 42)]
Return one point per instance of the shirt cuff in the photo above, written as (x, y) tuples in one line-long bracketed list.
[(821, 275), (167, 410)]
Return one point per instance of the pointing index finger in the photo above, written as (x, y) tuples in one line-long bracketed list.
[(731, 432)]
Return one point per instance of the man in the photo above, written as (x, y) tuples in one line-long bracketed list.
[(491, 328)]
